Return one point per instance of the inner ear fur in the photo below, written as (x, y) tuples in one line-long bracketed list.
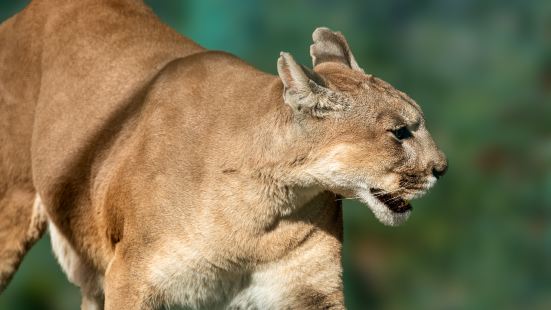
[(330, 46)]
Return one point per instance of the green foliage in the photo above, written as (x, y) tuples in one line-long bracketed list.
[(481, 70)]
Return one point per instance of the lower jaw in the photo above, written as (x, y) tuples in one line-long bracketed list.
[(393, 203), (382, 212), (402, 209)]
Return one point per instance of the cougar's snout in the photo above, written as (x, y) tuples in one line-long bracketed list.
[(440, 166)]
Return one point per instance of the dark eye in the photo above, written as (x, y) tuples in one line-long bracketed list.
[(402, 133)]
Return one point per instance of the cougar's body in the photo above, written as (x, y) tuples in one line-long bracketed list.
[(130, 139), (173, 175)]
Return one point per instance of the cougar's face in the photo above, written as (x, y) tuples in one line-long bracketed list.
[(367, 139), (379, 151)]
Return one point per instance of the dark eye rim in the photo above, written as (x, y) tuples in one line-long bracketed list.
[(402, 133)]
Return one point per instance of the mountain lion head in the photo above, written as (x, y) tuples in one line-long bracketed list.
[(366, 139)]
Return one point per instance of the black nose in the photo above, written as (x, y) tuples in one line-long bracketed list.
[(439, 170)]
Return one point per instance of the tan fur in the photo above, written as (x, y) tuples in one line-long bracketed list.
[(175, 175)]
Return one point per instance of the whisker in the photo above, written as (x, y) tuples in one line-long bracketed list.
[(347, 198)]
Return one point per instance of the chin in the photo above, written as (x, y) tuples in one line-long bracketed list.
[(389, 210)]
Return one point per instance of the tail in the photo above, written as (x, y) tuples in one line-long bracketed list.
[(22, 223)]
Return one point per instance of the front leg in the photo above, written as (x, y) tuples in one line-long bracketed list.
[(125, 287), (310, 277)]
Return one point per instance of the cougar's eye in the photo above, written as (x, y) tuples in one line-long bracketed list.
[(401, 133)]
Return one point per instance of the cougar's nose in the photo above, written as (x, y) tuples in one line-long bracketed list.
[(438, 172), (439, 168)]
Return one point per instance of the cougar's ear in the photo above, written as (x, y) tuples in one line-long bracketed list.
[(305, 90), (331, 46)]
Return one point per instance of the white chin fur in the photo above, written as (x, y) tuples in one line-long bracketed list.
[(382, 213)]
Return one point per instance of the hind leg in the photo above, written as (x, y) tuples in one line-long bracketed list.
[(22, 223), (78, 273)]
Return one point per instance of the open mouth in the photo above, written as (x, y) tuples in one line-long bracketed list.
[(392, 202)]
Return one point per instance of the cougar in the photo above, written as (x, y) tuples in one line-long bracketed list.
[(168, 174)]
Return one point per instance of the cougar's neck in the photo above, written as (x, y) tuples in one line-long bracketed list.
[(277, 154)]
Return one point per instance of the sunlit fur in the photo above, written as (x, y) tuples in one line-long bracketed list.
[(174, 175), (359, 152)]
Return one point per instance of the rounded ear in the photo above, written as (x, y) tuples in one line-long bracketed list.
[(305, 90), (331, 46)]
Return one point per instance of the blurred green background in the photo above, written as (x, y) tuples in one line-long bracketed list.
[(481, 70)]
